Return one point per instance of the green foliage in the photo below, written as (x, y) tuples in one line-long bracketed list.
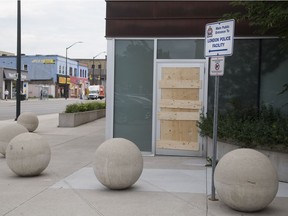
[(264, 16), (82, 107), (266, 129)]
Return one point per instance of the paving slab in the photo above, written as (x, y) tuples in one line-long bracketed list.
[(178, 186)]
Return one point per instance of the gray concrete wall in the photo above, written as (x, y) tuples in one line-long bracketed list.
[(76, 119)]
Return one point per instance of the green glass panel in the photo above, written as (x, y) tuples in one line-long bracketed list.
[(238, 88), (133, 91), (274, 75), (180, 49)]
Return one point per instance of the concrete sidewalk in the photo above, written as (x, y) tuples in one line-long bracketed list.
[(177, 186)]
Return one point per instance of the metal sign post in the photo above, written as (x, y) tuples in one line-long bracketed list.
[(216, 69), (219, 41), (215, 127)]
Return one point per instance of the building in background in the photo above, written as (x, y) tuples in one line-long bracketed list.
[(99, 70), (47, 75), (8, 80)]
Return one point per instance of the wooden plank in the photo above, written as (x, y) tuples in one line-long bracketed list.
[(177, 145), (184, 116), (181, 104), (181, 84), (179, 130), (180, 73), (180, 94)]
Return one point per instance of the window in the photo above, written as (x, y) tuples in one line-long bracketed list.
[(133, 92), (180, 49), (60, 69), (255, 75), (25, 67), (274, 64), (238, 88)]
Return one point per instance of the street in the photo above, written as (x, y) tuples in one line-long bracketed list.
[(40, 107)]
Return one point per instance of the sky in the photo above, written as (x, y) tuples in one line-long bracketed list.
[(48, 27)]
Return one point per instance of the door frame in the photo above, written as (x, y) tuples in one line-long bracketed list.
[(203, 95)]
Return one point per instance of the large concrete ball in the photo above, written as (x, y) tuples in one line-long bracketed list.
[(28, 120), (28, 154), (118, 163), (7, 133), (246, 180)]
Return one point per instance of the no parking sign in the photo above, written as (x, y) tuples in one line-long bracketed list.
[(217, 66)]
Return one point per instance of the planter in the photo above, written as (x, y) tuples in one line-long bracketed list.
[(79, 118), (278, 159)]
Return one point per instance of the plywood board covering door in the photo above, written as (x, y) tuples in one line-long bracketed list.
[(179, 108)]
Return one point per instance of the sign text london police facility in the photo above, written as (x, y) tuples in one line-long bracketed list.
[(219, 38)]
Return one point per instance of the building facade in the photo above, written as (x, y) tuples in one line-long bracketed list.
[(158, 79), (8, 80), (97, 73), (47, 74)]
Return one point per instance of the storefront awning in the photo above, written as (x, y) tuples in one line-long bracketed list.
[(12, 75)]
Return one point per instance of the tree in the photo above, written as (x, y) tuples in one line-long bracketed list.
[(267, 17)]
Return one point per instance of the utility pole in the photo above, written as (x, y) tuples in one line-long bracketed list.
[(18, 84)]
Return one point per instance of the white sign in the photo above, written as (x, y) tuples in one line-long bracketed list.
[(219, 38), (217, 66)]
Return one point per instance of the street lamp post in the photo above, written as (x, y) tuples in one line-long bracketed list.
[(18, 85), (93, 67), (66, 87)]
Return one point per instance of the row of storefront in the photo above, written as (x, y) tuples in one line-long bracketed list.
[(76, 86), (44, 76)]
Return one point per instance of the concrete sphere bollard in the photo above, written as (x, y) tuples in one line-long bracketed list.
[(28, 120), (7, 133), (246, 180), (28, 154), (118, 163), (3, 123)]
